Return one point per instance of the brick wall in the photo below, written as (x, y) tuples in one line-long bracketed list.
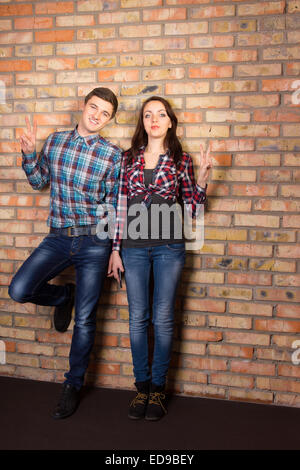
[(231, 70)]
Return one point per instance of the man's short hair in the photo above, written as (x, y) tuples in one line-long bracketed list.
[(106, 94)]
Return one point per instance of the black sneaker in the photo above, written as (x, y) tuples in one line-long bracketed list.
[(63, 313), (137, 407), (67, 403), (157, 404)]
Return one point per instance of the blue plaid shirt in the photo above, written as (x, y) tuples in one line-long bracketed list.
[(83, 173)]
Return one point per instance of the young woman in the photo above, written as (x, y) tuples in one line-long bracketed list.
[(155, 174)]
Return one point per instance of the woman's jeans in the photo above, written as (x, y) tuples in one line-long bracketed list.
[(167, 262), (89, 255)]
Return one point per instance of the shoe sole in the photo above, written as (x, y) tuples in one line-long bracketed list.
[(66, 325), (64, 416), (135, 418), (153, 419)]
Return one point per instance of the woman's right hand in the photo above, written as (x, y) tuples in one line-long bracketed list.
[(28, 139), (115, 263)]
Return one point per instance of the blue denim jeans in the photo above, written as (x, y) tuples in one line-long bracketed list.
[(167, 262), (89, 255)]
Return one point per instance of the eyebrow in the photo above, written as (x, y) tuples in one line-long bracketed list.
[(148, 111), (104, 110)]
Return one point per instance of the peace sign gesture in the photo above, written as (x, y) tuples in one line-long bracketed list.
[(28, 139), (205, 165)]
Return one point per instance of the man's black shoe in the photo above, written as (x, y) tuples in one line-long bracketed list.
[(157, 404), (63, 313), (137, 407), (67, 403)]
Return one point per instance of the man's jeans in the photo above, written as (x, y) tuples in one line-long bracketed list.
[(168, 261), (89, 255)]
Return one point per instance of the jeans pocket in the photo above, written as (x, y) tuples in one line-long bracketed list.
[(177, 247), (105, 241)]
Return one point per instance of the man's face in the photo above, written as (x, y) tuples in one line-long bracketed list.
[(95, 115)]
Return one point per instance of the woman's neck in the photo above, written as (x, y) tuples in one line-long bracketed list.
[(152, 152), (155, 146)]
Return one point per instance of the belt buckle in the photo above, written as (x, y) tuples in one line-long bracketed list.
[(69, 231)]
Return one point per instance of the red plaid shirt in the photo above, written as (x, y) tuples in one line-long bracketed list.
[(169, 182)]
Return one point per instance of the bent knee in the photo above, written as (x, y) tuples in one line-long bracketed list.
[(16, 292)]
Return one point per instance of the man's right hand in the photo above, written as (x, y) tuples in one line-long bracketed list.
[(28, 139)]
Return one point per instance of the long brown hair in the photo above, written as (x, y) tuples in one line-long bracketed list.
[(140, 137)]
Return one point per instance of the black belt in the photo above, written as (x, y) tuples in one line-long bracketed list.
[(75, 231)]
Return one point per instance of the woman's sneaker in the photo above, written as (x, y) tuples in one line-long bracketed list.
[(137, 407), (157, 404)]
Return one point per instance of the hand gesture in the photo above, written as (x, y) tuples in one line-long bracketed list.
[(205, 165), (115, 264), (28, 139)]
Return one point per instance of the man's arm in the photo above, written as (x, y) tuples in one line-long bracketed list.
[(111, 193), (112, 181)]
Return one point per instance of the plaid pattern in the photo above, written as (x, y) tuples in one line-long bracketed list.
[(83, 173), (168, 181)]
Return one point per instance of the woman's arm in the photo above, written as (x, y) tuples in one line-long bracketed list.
[(193, 192)]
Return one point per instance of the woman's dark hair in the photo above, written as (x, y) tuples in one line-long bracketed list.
[(105, 94), (140, 137)]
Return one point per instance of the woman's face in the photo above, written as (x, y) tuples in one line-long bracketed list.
[(156, 120)]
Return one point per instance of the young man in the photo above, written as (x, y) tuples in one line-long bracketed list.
[(83, 171)]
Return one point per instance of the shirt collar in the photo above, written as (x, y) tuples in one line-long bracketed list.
[(89, 139)]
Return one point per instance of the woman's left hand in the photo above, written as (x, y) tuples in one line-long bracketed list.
[(115, 264), (205, 165)]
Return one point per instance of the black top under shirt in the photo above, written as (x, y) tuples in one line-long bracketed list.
[(164, 224)]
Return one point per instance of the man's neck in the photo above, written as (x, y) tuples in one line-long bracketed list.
[(84, 133)]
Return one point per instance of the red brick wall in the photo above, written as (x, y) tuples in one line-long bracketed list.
[(231, 70)]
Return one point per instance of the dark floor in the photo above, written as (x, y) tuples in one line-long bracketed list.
[(101, 422)]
